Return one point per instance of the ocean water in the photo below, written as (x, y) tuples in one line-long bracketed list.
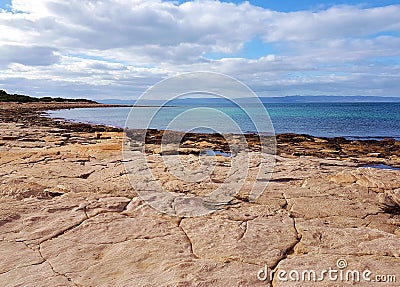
[(350, 120)]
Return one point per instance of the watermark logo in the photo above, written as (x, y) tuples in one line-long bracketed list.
[(220, 109), (338, 273), (341, 263)]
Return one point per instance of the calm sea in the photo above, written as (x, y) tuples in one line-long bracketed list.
[(350, 120)]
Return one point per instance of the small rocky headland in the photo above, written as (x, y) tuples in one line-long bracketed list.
[(70, 215)]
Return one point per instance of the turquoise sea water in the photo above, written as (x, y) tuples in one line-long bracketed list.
[(350, 120)]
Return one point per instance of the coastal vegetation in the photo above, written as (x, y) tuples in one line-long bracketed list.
[(6, 97)]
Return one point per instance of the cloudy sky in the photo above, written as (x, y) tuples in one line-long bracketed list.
[(117, 48)]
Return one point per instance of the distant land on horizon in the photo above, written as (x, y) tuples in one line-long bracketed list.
[(6, 97), (285, 99)]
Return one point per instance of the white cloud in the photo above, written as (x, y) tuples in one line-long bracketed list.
[(117, 47), (27, 55), (336, 22), (112, 24)]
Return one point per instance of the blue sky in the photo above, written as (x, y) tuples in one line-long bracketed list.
[(117, 49), (296, 5), (287, 5), (5, 4)]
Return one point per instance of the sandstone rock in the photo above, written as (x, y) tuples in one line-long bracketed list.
[(320, 238), (360, 270), (344, 177), (262, 240), (374, 154), (36, 220), (390, 199), (34, 275), (370, 177), (15, 255), (308, 207), (70, 217)]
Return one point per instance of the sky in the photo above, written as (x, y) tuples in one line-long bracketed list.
[(116, 49)]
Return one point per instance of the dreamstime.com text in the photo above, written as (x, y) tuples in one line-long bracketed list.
[(341, 273)]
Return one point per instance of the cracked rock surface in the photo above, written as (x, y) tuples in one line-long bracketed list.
[(70, 217)]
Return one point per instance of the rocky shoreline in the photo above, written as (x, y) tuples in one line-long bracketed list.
[(386, 151), (34, 114), (70, 216)]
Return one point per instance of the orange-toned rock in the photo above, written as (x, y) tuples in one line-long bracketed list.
[(70, 217)]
